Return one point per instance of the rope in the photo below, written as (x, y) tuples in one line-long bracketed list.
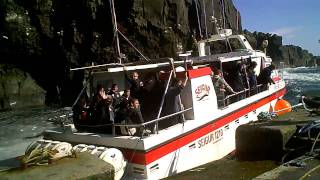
[(135, 149), (304, 104), (308, 173), (124, 37), (266, 116), (38, 156), (315, 142)]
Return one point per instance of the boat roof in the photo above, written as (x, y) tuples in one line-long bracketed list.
[(165, 62), (227, 57)]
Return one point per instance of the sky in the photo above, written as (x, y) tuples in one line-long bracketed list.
[(297, 21)]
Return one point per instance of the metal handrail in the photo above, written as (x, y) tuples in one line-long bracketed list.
[(155, 120), (241, 92)]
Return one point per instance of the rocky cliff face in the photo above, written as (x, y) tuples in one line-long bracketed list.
[(47, 37), (291, 55), (296, 56), (274, 43), (18, 89)]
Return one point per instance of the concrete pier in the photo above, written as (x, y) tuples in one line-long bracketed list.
[(268, 140), (84, 166), (303, 167)]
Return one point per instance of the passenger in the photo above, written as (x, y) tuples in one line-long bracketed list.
[(237, 83), (81, 113), (252, 77), (123, 106), (221, 87), (83, 105), (125, 98), (114, 92), (98, 96), (244, 74), (135, 116), (171, 103), (264, 77), (105, 115), (151, 97), (135, 84)]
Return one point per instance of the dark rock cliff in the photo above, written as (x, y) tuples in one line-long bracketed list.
[(274, 43), (292, 56), (296, 56), (18, 89), (47, 37)]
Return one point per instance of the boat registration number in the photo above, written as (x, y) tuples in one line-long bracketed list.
[(210, 138)]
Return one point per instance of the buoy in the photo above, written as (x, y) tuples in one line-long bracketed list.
[(282, 107)]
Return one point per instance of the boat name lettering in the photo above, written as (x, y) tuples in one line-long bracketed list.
[(211, 138)]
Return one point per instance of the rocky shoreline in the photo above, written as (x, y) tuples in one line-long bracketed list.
[(18, 89)]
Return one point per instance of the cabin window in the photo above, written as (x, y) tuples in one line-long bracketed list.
[(218, 47), (235, 44)]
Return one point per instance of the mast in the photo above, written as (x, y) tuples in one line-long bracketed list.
[(205, 17), (115, 29)]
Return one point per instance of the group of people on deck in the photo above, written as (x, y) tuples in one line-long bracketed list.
[(109, 107), (242, 78)]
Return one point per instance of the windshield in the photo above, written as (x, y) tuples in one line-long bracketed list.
[(221, 46)]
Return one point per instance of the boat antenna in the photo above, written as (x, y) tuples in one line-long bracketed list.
[(237, 20), (223, 14), (213, 19)]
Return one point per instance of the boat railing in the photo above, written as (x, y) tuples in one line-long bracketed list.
[(143, 125), (232, 98)]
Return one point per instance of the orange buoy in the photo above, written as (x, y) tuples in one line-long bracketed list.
[(282, 107)]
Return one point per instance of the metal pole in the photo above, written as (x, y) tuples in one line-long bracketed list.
[(114, 20), (223, 14), (179, 96), (162, 101), (81, 92)]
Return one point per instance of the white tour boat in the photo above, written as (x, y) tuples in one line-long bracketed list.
[(207, 132)]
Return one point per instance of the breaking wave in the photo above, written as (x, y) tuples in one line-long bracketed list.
[(301, 81)]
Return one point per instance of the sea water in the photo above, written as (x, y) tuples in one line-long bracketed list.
[(20, 127), (301, 81)]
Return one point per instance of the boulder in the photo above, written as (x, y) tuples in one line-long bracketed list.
[(18, 89)]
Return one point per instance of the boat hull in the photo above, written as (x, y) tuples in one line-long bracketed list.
[(171, 152)]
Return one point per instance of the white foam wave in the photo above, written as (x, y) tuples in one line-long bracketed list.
[(306, 76)]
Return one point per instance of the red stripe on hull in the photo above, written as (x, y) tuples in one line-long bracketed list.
[(276, 79), (145, 158)]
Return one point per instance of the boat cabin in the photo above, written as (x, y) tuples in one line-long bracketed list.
[(198, 99)]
